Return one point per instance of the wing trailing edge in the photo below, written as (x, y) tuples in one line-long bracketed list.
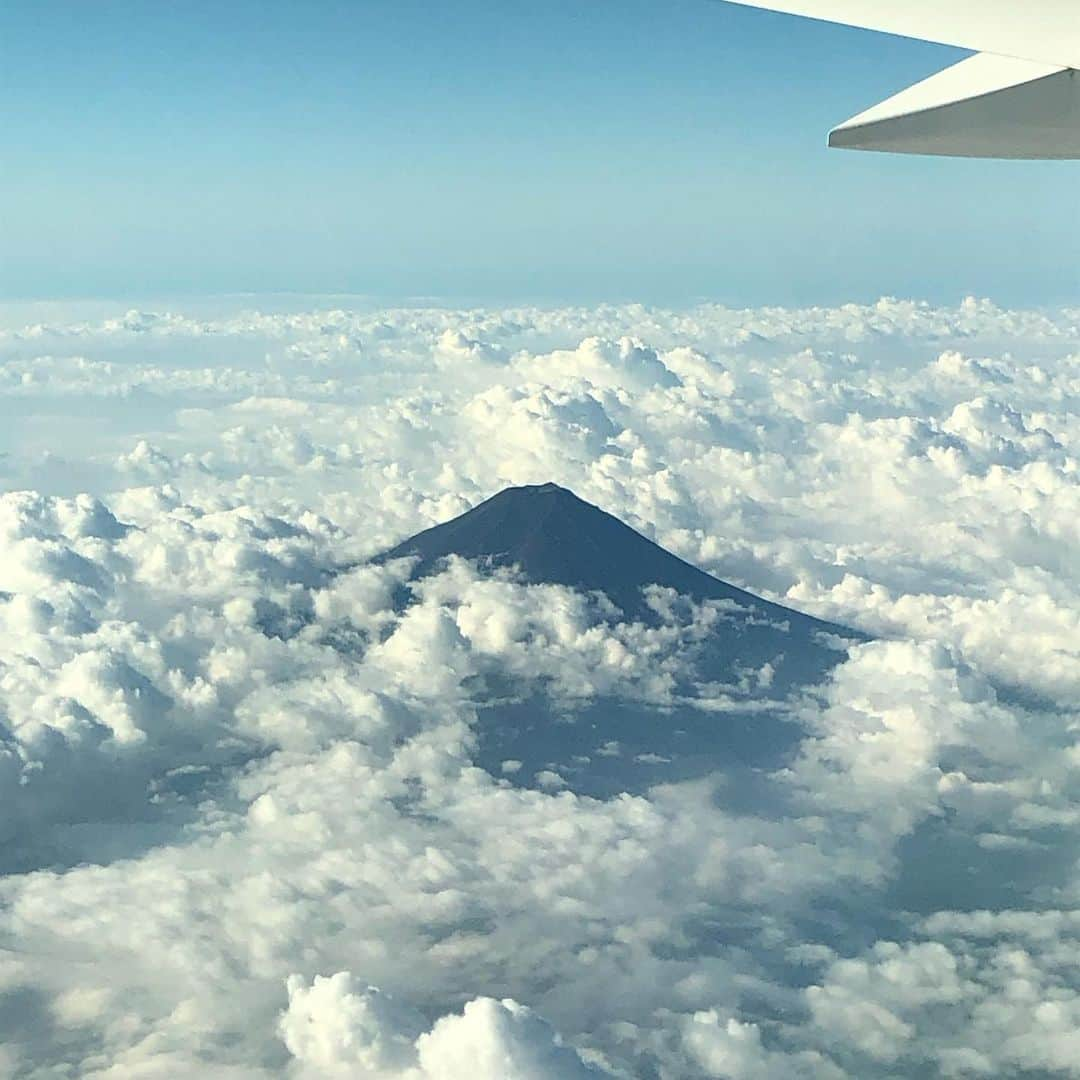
[(983, 107)]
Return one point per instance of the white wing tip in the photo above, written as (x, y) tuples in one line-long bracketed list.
[(983, 107)]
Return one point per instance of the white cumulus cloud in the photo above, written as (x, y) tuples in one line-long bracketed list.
[(238, 757)]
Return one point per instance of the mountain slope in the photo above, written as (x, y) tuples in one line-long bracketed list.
[(555, 538), (609, 744)]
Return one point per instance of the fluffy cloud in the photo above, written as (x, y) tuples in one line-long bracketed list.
[(237, 757), (335, 1027)]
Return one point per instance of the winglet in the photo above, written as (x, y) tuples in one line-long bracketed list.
[(984, 107)]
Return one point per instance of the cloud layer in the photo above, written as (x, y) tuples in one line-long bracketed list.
[(239, 777)]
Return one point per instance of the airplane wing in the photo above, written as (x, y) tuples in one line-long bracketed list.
[(1047, 31), (986, 106), (1019, 99)]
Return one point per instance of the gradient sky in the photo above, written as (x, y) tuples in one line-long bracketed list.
[(661, 150)]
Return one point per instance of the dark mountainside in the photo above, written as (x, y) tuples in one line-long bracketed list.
[(555, 538), (611, 745)]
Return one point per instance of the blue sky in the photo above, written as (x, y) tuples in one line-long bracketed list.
[(665, 151)]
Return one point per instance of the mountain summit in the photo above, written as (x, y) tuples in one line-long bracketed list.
[(555, 538)]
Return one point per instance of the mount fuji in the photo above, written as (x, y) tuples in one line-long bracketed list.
[(546, 535)]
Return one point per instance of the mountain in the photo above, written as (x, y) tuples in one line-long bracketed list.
[(555, 538), (609, 745)]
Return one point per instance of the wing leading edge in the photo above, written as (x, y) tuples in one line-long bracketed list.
[(1019, 98)]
